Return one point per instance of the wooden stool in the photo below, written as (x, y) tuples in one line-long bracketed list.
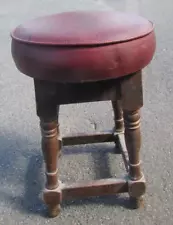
[(77, 57)]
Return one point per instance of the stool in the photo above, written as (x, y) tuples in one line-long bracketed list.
[(87, 56)]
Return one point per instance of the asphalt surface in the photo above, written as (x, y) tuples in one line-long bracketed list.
[(21, 164)]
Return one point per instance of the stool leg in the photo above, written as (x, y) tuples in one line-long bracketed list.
[(51, 150), (133, 143), (48, 111), (119, 121), (118, 116)]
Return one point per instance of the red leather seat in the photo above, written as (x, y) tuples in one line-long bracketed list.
[(83, 46)]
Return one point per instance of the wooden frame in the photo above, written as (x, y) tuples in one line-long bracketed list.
[(126, 97)]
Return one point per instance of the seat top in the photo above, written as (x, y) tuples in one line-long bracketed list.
[(83, 46), (83, 28)]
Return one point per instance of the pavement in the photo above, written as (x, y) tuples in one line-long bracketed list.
[(21, 162)]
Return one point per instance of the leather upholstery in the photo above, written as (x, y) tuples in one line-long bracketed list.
[(83, 46)]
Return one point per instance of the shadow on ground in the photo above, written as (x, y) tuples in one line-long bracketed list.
[(30, 201)]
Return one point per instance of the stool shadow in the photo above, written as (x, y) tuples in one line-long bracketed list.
[(34, 184), (28, 201)]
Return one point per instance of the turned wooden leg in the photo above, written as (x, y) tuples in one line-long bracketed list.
[(48, 111), (133, 143), (119, 121), (51, 150), (118, 116)]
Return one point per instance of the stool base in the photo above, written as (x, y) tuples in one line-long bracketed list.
[(126, 97), (101, 187)]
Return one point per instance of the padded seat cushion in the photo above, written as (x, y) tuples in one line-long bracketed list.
[(83, 46)]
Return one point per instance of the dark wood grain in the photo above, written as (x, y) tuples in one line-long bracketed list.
[(132, 92), (95, 188), (125, 95), (133, 142), (122, 147), (118, 116), (48, 111), (80, 139)]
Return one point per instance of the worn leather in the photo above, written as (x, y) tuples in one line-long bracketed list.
[(83, 46)]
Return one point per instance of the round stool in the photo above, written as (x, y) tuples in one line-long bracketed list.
[(87, 56)]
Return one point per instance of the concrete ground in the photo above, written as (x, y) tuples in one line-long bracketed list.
[(21, 165)]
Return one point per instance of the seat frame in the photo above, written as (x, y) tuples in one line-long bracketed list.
[(127, 99)]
